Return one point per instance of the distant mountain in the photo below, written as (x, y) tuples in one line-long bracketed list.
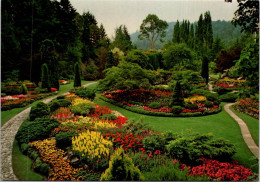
[(224, 29)]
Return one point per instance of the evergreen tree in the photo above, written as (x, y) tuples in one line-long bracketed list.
[(77, 80), (191, 37), (205, 69), (122, 39), (45, 77), (110, 60), (176, 33), (200, 34), (177, 97), (208, 31)]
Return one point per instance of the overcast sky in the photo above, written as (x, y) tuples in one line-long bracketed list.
[(113, 13)]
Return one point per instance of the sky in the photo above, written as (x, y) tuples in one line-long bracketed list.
[(113, 13)]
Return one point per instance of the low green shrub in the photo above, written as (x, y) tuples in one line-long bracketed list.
[(82, 109), (24, 147), (11, 91), (135, 126), (155, 105), (86, 93), (39, 90), (228, 97), (221, 90), (212, 96), (64, 140), (86, 176), (171, 172), (177, 109), (199, 91), (208, 104), (109, 117), (41, 167), (55, 104), (121, 168), (191, 106), (38, 111), (23, 89), (153, 143), (39, 129)]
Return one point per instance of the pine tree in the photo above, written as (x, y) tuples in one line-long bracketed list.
[(208, 34), (45, 77), (191, 37), (176, 33), (110, 60), (77, 80), (200, 34), (205, 69), (177, 98)]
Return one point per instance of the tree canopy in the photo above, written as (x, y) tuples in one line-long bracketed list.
[(153, 28)]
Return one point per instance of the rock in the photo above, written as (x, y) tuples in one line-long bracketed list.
[(85, 166), (240, 78), (75, 162), (66, 157)]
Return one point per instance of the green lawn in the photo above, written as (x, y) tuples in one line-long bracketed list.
[(6, 115), (252, 123), (221, 125)]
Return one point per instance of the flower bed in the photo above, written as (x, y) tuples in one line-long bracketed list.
[(141, 98), (229, 83), (248, 106), (80, 147), (64, 82)]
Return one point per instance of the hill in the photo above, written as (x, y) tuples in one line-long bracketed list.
[(224, 29)]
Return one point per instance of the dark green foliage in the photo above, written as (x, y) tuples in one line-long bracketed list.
[(45, 77), (212, 96), (190, 149), (86, 93), (153, 143), (205, 69), (11, 91), (228, 97), (208, 104), (77, 79), (121, 168), (24, 148), (176, 33), (41, 167), (200, 92), (138, 57), (109, 117), (55, 104), (191, 106), (171, 172), (177, 109), (155, 59), (126, 76), (61, 97), (221, 90), (177, 97), (39, 129), (136, 126), (64, 140), (24, 89), (155, 105), (122, 39), (38, 111), (110, 61), (86, 176)]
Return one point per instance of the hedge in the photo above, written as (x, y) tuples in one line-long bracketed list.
[(161, 114)]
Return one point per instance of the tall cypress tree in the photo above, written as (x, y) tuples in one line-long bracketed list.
[(77, 80), (208, 31), (177, 98), (205, 69), (191, 37), (176, 33), (45, 77)]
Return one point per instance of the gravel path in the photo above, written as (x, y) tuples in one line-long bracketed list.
[(244, 131), (8, 132)]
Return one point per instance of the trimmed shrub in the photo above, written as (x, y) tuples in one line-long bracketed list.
[(64, 140), (39, 129), (38, 111), (177, 97), (208, 104), (177, 109), (23, 89), (86, 93), (45, 77), (121, 168), (41, 167), (153, 143), (155, 105), (82, 109), (221, 90), (59, 103), (212, 96), (77, 80), (191, 106), (228, 97), (109, 117)]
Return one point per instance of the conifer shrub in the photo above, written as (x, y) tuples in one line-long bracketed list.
[(45, 77), (155, 105), (177, 97), (177, 109), (77, 80), (38, 111), (121, 168), (208, 104)]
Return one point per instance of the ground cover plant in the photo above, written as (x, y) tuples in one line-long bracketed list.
[(90, 147)]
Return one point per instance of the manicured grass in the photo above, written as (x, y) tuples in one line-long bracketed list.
[(221, 125), (252, 123), (22, 165), (6, 115)]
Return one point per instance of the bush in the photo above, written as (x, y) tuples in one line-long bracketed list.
[(64, 140), (191, 106), (86, 176), (228, 97), (86, 93), (153, 143), (109, 117), (11, 91), (121, 168), (208, 104), (138, 57), (212, 96), (171, 172), (41, 167), (82, 109), (199, 92), (177, 97), (23, 89), (155, 105), (177, 109), (39, 129), (38, 111), (221, 90), (55, 104)]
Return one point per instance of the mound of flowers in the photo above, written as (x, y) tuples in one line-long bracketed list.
[(229, 83), (81, 147), (140, 100), (248, 106)]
